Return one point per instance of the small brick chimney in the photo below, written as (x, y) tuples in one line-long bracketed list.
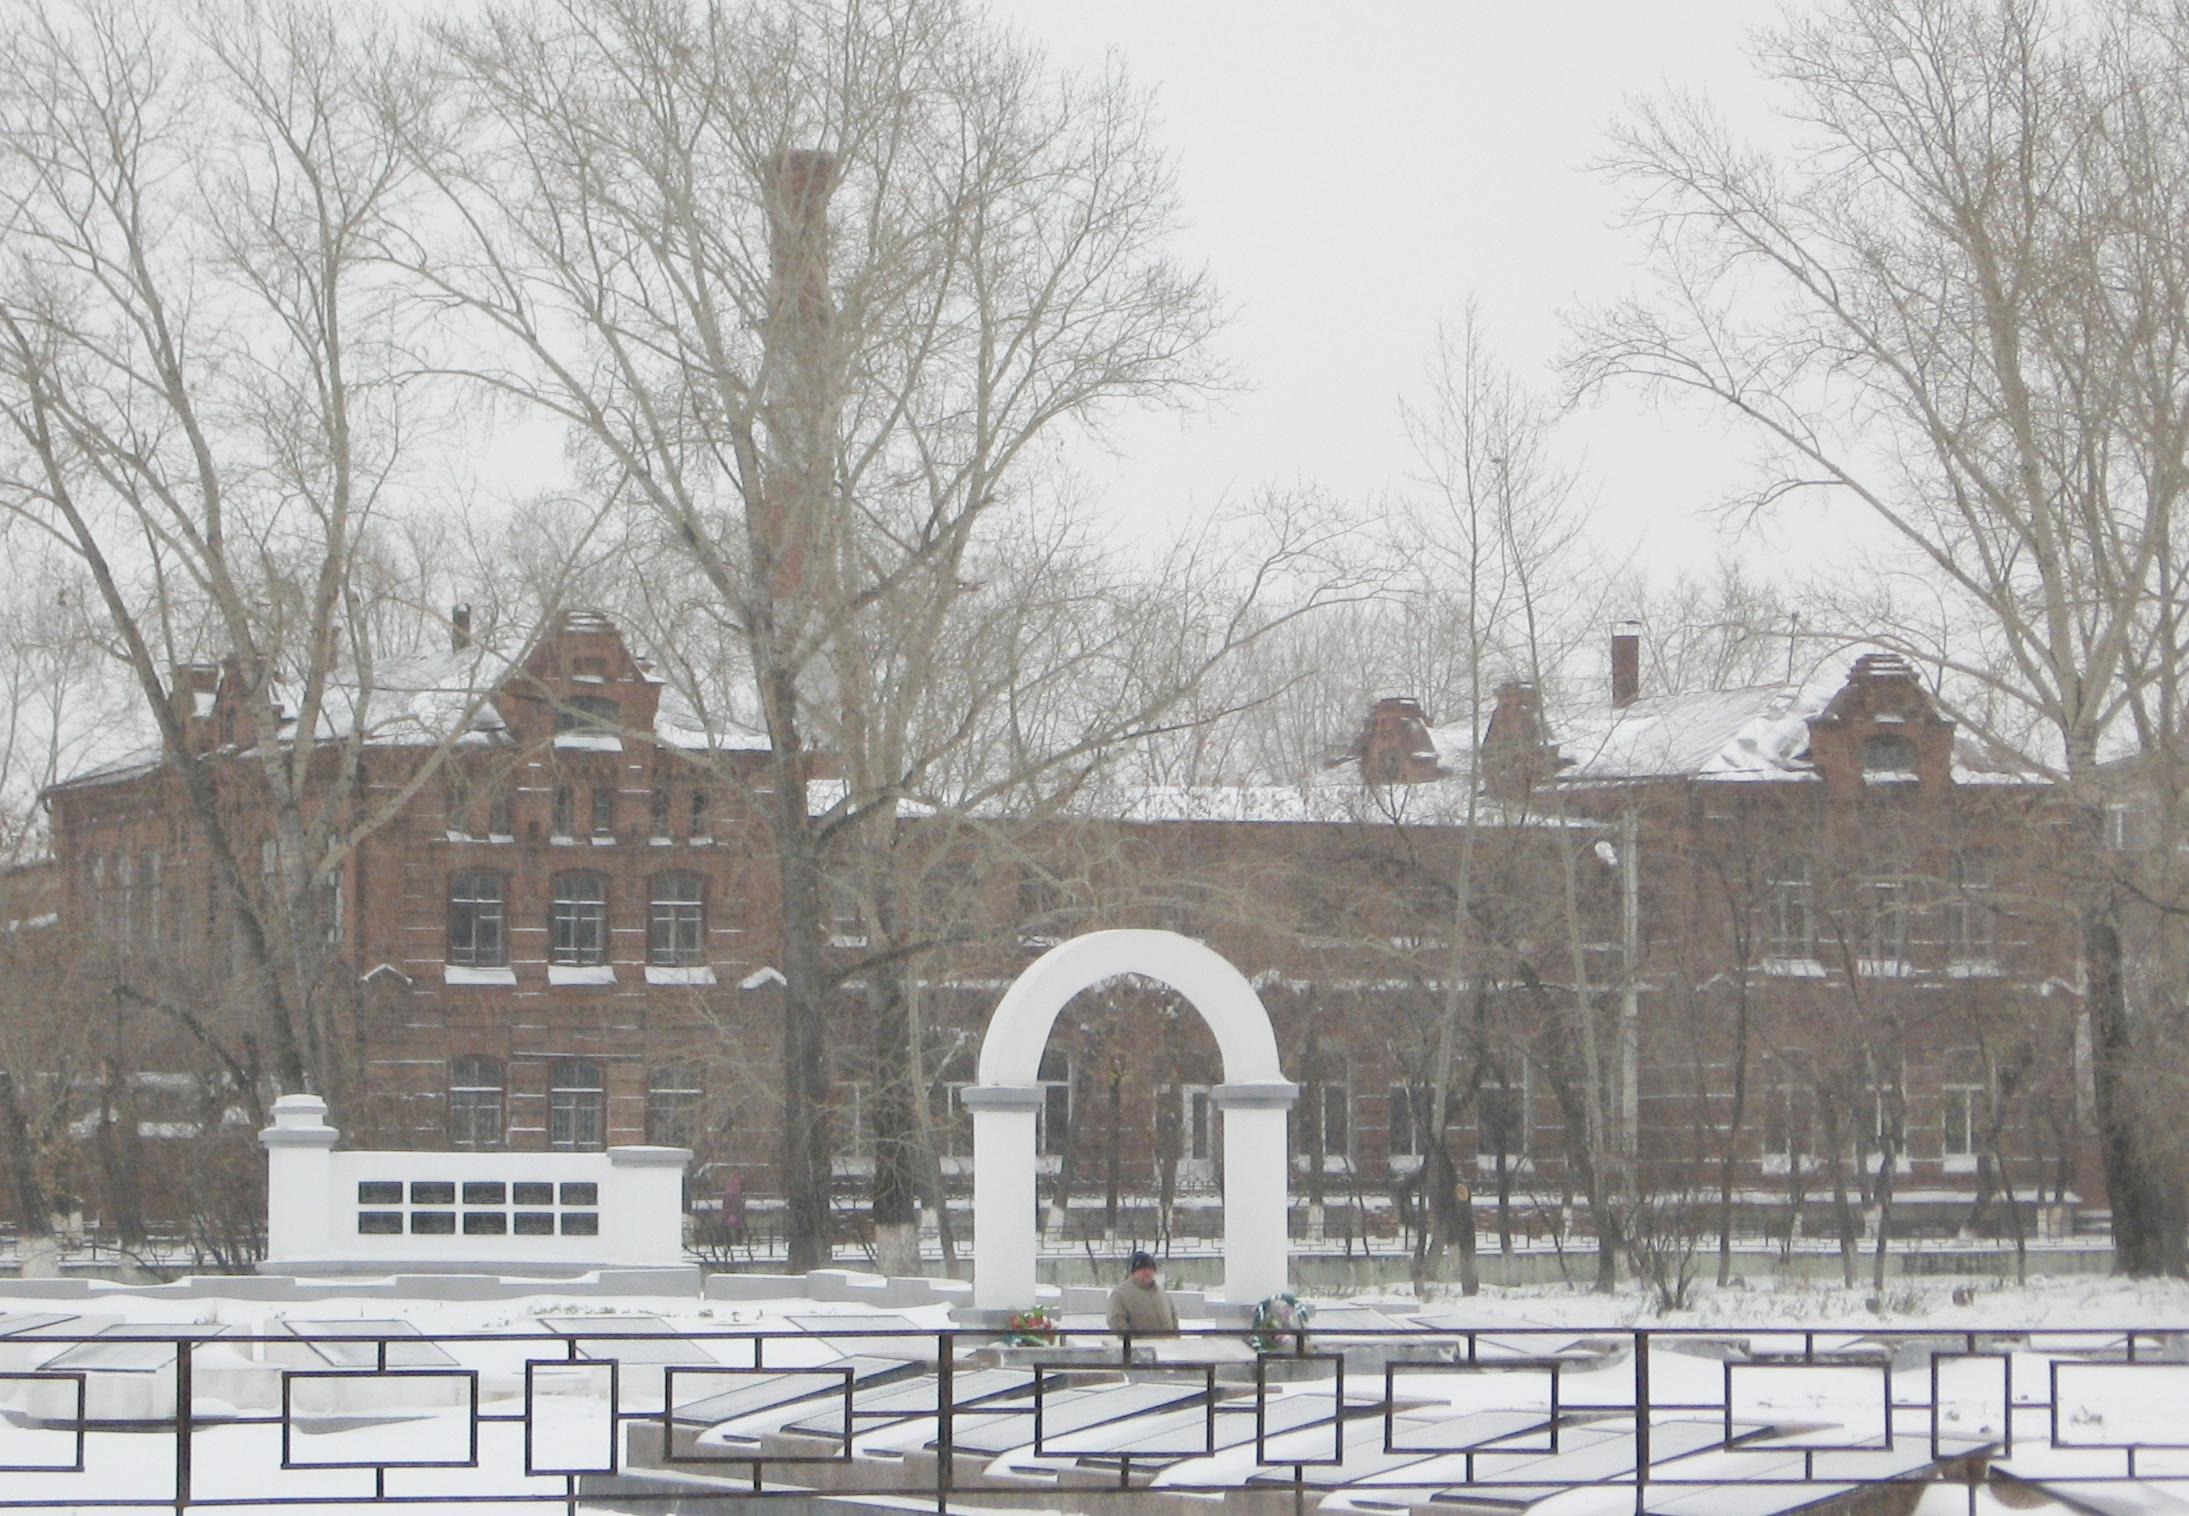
[(194, 691), (1517, 751), (1626, 664), (1394, 745)]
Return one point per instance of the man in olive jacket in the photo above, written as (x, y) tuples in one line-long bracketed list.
[(1139, 1305)]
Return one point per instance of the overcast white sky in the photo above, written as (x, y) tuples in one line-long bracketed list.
[(1352, 171)]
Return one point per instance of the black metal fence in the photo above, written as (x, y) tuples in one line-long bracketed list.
[(1397, 1416)]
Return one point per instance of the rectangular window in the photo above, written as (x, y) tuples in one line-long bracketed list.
[(577, 1108), (1964, 1115), (566, 812), (673, 1098), (1330, 1119), (475, 1104), (847, 926), (1401, 1130), (1052, 1124), (604, 810), (499, 824), (1885, 917), (579, 922), (1786, 1139), (587, 713), (658, 812), (1792, 916), (477, 924), (1970, 926), (1501, 1118), (702, 813), (676, 924)]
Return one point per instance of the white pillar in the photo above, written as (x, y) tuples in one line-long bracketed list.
[(1257, 1247), (642, 1205), (300, 1198), (1003, 1193)]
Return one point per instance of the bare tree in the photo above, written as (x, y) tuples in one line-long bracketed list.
[(1493, 524), (202, 407), (819, 288), (1961, 308)]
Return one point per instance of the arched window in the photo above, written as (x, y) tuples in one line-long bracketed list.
[(1888, 755), (577, 1106), (474, 1103), (676, 921), (1791, 908), (578, 924), (478, 921)]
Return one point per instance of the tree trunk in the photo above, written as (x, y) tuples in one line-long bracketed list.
[(806, 1140), (1887, 1156), (1729, 1154), (2147, 1223)]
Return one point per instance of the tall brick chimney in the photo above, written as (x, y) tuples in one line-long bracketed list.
[(798, 406), (1626, 664)]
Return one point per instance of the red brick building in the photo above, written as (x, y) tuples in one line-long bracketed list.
[(1812, 925)]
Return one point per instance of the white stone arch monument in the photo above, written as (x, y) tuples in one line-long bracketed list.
[(1253, 1099)]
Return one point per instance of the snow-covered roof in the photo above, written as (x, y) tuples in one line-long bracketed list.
[(425, 699), (428, 697), (1760, 732)]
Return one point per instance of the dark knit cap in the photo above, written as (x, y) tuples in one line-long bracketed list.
[(1140, 1260)]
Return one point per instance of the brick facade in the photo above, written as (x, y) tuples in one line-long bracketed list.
[(568, 935)]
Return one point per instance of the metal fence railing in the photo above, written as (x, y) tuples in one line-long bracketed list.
[(331, 1413)]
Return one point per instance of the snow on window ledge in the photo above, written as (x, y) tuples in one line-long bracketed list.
[(1884, 968), (1960, 1163), (576, 973), (589, 742), (694, 974), (1794, 968), (1514, 1163), (462, 973), (1975, 968)]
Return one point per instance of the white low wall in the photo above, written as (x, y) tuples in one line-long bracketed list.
[(329, 1210)]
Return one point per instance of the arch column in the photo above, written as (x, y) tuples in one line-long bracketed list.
[(1257, 1204), (1004, 1232)]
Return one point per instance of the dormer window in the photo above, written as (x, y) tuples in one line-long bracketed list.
[(1888, 757)]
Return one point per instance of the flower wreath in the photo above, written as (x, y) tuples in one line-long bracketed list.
[(1277, 1319), (1033, 1327)]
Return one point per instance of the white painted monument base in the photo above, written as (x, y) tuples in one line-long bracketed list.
[(331, 1212), (1254, 1103)]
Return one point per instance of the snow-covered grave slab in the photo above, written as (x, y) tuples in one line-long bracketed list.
[(875, 1336), (129, 1368), (363, 1343), (1420, 1436)]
